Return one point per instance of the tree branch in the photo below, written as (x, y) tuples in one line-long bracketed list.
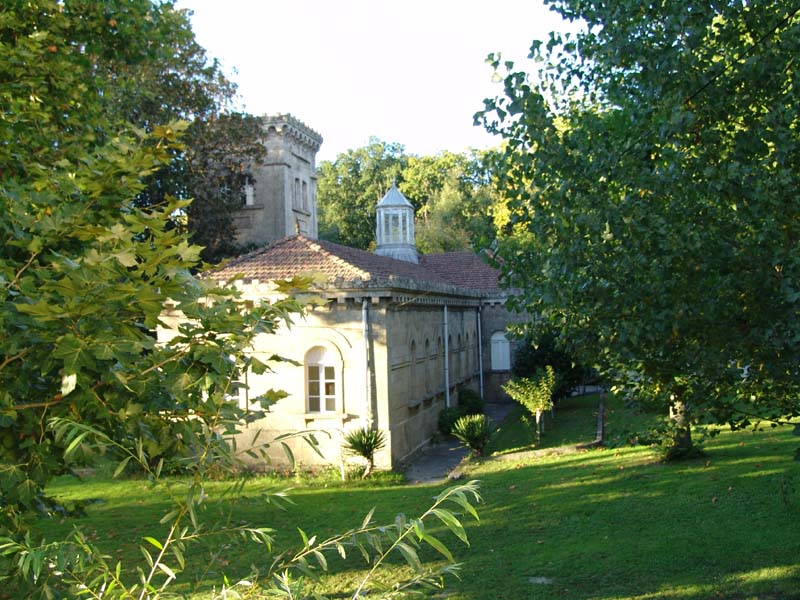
[(24, 268), (56, 399), (11, 359)]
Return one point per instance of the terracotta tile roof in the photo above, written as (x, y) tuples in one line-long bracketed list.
[(296, 254), (463, 268)]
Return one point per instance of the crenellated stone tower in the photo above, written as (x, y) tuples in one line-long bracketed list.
[(283, 200)]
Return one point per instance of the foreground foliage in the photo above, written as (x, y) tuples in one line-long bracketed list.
[(86, 268), (651, 216)]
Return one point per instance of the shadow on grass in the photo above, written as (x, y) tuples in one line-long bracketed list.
[(574, 421), (617, 524), (605, 524)]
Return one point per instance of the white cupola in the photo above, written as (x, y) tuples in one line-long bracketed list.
[(395, 227)]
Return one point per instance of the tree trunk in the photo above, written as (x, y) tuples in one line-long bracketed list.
[(539, 426), (368, 469), (681, 445)]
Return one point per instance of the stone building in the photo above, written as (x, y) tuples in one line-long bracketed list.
[(400, 334), (283, 200)]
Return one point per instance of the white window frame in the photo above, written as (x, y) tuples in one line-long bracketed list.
[(323, 383)]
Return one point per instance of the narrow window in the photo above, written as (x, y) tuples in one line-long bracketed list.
[(439, 364), (321, 381), (249, 195), (459, 374), (468, 357), (429, 362)]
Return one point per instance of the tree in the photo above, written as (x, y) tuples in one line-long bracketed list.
[(650, 177), (166, 77), (349, 188), (544, 349), (453, 195), (216, 168), (85, 272)]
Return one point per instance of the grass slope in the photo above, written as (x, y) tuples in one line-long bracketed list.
[(606, 524)]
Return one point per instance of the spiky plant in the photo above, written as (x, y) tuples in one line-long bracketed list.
[(365, 442), (475, 432)]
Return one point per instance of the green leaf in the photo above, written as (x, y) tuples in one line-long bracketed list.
[(77, 440), (127, 258), (452, 523), (410, 555), (154, 542), (121, 466), (368, 518), (169, 572), (40, 309), (438, 546)]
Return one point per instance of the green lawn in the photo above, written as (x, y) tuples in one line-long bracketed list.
[(574, 421), (603, 524)]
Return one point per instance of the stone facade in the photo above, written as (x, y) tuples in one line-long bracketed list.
[(393, 344), (283, 199), (398, 337)]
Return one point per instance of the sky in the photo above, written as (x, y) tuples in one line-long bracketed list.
[(410, 71)]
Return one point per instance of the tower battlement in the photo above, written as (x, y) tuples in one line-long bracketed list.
[(290, 126)]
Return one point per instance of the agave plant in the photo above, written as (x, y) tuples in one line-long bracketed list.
[(475, 432), (365, 443)]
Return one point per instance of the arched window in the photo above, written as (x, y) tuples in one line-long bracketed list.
[(296, 193), (450, 361), (439, 381), (459, 374), (429, 362), (501, 352), (322, 380), (468, 357), (415, 375)]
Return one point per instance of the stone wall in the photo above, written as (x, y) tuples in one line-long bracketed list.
[(284, 196), (403, 391), (415, 367)]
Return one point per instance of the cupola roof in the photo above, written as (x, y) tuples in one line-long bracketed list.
[(394, 197)]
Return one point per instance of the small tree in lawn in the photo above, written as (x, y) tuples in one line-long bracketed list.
[(535, 394)]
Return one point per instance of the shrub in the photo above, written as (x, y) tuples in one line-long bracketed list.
[(535, 394), (470, 401), (365, 443), (475, 432), (448, 417)]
